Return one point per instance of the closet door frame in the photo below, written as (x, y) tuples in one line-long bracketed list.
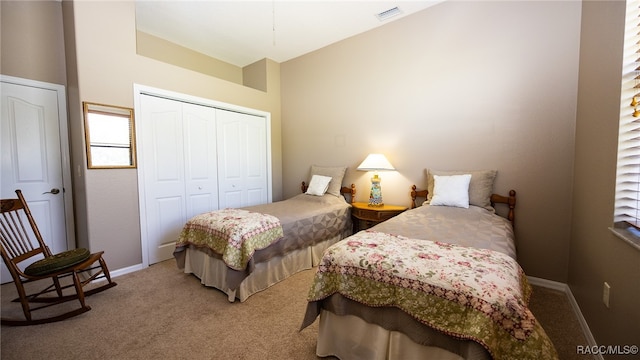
[(138, 91)]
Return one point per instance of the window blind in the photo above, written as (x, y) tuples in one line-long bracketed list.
[(627, 202)]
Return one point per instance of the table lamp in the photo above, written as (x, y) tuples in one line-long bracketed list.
[(375, 162)]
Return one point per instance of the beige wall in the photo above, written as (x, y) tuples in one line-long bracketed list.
[(596, 254), (168, 52), (253, 75), (461, 85), (31, 41)]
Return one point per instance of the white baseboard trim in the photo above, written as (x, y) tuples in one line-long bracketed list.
[(549, 284), (127, 270), (555, 285), (115, 273)]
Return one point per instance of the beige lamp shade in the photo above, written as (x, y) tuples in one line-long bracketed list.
[(375, 162)]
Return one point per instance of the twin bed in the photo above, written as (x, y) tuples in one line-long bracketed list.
[(244, 251), (438, 281)]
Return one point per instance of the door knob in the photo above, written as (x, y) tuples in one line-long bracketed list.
[(53, 191)]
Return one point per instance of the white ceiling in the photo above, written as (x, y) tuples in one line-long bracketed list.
[(243, 32)]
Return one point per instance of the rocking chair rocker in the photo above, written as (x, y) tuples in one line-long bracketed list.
[(17, 245)]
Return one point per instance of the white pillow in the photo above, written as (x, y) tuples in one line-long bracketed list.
[(451, 190), (480, 186), (335, 172), (318, 185)]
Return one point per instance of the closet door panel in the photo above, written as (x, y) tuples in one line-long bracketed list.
[(242, 159), (230, 178), (255, 155), (230, 146), (231, 199), (200, 160), (162, 160)]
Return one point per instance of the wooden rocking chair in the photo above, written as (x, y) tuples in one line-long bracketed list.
[(20, 242)]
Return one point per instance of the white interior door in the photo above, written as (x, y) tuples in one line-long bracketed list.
[(32, 158), (242, 159), (177, 150)]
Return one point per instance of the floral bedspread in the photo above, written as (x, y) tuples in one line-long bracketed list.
[(233, 233), (469, 293)]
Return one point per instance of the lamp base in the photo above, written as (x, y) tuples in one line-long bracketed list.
[(375, 195)]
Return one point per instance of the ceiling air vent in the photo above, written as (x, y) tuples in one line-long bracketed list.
[(389, 13)]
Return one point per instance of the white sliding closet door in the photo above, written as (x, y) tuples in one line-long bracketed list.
[(195, 155), (179, 165), (242, 159), (201, 168)]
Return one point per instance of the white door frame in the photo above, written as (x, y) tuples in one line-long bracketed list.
[(64, 148), (138, 90)]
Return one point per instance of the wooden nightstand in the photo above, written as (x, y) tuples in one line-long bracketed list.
[(365, 216)]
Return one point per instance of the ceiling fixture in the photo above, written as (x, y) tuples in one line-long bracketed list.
[(387, 14)]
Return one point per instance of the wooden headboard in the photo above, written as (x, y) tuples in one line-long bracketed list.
[(345, 190), (495, 199)]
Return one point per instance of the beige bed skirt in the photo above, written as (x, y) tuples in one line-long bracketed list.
[(350, 337), (213, 272)]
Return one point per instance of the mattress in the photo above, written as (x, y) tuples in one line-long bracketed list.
[(472, 227)]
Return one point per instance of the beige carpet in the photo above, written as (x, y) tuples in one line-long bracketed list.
[(161, 313)]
